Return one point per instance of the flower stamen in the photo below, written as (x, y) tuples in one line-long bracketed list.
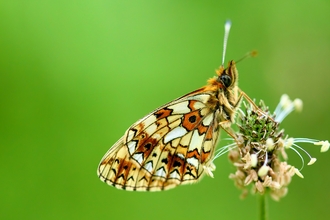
[(286, 106), (224, 150), (325, 145), (301, 157)]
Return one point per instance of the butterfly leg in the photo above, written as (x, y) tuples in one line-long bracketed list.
[(244, 95), (225, 125), (227, 129)]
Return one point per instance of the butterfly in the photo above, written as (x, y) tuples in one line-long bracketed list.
[(175, 144)]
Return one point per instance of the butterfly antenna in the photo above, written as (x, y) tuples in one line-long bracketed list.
[(252, 53), (227, 29)]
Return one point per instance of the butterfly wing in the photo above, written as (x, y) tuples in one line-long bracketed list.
[(170, 146)]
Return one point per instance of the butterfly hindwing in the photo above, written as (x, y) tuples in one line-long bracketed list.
[(168, 147), (175, 143)]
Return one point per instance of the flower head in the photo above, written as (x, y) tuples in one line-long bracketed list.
[(259, 150)]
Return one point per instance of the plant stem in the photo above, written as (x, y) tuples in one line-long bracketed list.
[(263, 207)]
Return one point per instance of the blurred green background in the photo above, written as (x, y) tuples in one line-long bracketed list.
[(76, 74)]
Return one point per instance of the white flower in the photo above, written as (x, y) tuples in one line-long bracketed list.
[(259, 150)]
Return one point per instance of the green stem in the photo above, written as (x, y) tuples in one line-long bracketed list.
[(263, 207)]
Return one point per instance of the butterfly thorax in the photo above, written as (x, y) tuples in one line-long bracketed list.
[(224, 87)]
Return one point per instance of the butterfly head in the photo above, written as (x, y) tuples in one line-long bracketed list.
[(227, 78)]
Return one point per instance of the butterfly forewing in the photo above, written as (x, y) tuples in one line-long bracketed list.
[(168, 147)]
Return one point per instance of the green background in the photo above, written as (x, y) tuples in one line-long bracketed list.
[(76, 74)]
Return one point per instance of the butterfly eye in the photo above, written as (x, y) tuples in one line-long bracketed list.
[(226, 80)]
